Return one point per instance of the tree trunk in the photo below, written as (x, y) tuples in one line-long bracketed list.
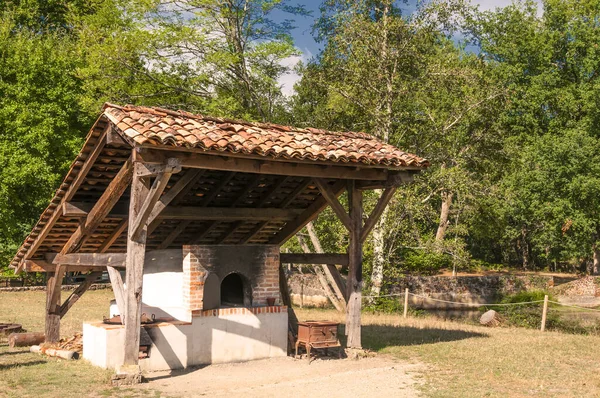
[(331, 272), (596, 263), (444, 215), (321, 276), (524, 248), (378, 252)]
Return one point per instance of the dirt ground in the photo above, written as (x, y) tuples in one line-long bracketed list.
[(281, 377)]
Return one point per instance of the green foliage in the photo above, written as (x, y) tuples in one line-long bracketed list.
[(425, 262)]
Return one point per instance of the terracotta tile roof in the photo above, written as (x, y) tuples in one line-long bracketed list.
[(156, 126)]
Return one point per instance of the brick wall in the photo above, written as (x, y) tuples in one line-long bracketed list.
[(257, 264)]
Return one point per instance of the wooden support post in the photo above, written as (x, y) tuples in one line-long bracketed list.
[(355, 281), (136, 251), (544, 313), (405, 302), (53, 285)]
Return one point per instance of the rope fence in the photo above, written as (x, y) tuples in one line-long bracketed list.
[(545, 303)]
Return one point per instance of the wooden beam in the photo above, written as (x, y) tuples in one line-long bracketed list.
[(228, 213), (209, 227), (174, 234), (395, 179), (309, 214), (119, 291), (314, 258), (100, 142), (103, 206), (82, 210), (335, 204), (160, 183), (266, 166), (173, 196), (77, 293), (88, 259), (217, 189), (199, 213), (113, 236), (383, 201), (136, 252), (355, 281), (44, 266)]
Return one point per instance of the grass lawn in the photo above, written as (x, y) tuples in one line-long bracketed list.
[(462, 360)]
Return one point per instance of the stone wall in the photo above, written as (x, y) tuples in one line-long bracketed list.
[(306, 289)]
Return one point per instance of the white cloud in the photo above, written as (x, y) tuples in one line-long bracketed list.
[(288, 80)]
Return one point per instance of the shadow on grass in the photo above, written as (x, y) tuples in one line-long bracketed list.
[(377, 337), (5, 353), (20, 364)]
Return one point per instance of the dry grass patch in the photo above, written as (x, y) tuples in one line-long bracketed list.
[(23, 374), (472, 361)]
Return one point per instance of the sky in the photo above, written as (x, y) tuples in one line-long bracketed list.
[(309, 48)]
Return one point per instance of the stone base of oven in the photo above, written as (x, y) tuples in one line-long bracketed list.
[(213, 336)]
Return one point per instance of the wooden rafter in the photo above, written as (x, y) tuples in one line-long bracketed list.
[(102, 208), (174, 196), (179, 228), (118, 231), (256, 230), (310, 213)]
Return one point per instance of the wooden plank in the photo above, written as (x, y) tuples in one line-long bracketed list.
[(160, 183), (307, 215), (335, 204), (88, 259), (113, 236), (314, 258), (119, 291), (136, 252), (77, 293), (383, 201), (73, 187), (174, 234), (103, 206), (355, 281), (265, 166)]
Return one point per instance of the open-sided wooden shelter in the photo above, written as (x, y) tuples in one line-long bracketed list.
[(150, 179)]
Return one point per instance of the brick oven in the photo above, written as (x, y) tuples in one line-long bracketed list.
[(213, 303)]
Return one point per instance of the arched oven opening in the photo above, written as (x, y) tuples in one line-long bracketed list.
[(235, 291)]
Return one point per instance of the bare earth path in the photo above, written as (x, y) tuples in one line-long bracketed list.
[(281, 377)]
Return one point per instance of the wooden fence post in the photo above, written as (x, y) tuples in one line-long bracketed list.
[(405, 302), (544, 312)]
